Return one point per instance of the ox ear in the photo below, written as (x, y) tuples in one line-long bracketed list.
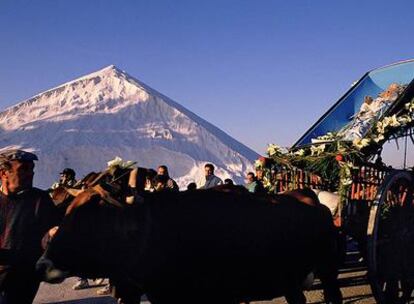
[(74, 192), (132, 183)]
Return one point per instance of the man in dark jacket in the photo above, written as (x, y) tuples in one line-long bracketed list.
[(163, 181), (27, 214), (253, 184)]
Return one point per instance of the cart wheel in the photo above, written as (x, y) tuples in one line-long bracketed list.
[(390, 240)]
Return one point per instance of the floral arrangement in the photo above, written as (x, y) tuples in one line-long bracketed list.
[(118, 162), (387, 126), (332, 158)]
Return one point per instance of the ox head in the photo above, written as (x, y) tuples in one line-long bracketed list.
[(97, 230), (77, 247)]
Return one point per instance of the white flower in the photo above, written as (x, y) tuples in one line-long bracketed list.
[(394, 121), (327, 137), (273, 149), (115, 162), (317, 150), (385, 122), (379, 138), (404, 119), (410, 106), (390, 121), (300, 152), (361, 143), (346, 179), (266, 183), (321, 148), (380, 127), (257, 163)]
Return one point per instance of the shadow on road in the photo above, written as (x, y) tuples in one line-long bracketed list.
[(92, 300)]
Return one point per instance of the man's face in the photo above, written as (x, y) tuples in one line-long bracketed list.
[(64, 178), (19, 176), (259, 174), (161, 171), (208, 171), (250, 179)]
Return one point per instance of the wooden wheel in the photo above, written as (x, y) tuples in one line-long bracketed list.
[(391, 240)]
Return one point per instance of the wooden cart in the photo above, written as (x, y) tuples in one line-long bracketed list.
[(377, 209)]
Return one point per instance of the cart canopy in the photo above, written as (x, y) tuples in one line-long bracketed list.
[(369, 99)]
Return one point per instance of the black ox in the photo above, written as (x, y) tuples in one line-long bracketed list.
[(222, 245)]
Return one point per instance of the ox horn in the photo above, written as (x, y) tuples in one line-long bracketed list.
[(74, 192), (98, 178), (132, 182), (106, 196)]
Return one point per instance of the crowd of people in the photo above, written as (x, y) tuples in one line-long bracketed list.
[(29, 219)]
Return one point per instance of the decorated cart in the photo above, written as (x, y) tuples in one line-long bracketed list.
[(341, 154)]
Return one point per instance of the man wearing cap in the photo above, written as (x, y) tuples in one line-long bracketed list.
[(27, 215), (67, 178)]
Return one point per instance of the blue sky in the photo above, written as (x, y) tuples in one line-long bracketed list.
[(263, 71)]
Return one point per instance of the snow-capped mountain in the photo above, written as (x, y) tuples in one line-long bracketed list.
[(86, 122)]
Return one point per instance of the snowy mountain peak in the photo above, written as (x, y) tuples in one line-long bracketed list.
[(90, 120), (110, 67), (106, 90), (110, 70)]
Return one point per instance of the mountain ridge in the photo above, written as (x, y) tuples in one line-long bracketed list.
[(111, 97)]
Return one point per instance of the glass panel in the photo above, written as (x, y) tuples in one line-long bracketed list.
[(354, 113)]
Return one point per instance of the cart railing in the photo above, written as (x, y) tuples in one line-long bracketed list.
[(294, 178), (365, 181)]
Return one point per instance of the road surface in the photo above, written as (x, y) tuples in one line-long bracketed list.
[(353, 282)]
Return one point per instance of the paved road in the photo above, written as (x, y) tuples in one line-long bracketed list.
[(353, 282)]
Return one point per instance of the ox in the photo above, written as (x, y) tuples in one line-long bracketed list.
[(203, 246)]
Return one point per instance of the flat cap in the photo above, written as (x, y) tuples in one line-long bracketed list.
[(68, 171), (16, 154)]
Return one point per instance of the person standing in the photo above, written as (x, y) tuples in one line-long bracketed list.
[(166, 181), (27, 219), (211, 179), (253, 185), (228, 181), (191, 186), (67, 178)]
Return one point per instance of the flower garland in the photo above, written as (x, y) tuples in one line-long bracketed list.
[(388, 125), (332, 158)]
